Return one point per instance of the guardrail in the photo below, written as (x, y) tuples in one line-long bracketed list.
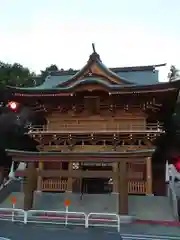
[(12, 214), (57, 217), (108, 220), (65, 218), (4, 238)]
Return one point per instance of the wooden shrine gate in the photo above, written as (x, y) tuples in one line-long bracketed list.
[(137, 173), (131, 171)]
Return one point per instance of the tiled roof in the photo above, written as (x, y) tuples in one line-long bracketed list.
[(140, 77), (95, 71), (136, 77)]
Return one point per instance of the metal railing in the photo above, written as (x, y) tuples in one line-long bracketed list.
[(172, 191), (56, 217), (4, 238), (96, 220), (65, 218), (99, 127), (12, 214)]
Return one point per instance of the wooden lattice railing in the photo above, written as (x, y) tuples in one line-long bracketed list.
[(54, 185), (100, 127), (134, 187), (137, 187), (137, 177)]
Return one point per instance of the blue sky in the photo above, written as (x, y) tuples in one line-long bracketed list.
[(132, 32)]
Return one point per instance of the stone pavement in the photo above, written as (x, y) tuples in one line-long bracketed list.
[(141, 207)]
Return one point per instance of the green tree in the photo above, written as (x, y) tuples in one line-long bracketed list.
[(15, 75), (48, 70), (173, 73)]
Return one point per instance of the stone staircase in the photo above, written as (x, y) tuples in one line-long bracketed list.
[(151, 208), (7, 189), (156, 208)]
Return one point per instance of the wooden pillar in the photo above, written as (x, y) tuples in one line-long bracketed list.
[(115, 179), (123, 188), (149, 176), (70, 179), (29, 186), (39, 178)]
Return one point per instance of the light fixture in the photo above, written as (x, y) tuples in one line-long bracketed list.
[(13, 106)]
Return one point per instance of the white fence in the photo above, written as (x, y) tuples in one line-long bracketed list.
[(12, 214), (3, 238), (65, 218)]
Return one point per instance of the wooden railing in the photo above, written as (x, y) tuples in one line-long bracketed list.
[(136, 175), (99, 127), (54, 185), (137, 187)]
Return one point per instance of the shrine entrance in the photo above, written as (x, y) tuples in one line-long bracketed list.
[(96, 185), (130, 173)]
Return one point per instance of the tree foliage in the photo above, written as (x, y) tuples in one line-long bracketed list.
[(168, 144), (173, 73), (13, 135), (17, 75), (48, 70)]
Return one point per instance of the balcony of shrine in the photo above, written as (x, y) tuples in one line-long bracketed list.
[(100, 127)]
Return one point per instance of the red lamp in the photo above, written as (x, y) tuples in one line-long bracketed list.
[(177, 164), (13, 106)]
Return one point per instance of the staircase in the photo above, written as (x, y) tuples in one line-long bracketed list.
[(156, 208), (11, 186)]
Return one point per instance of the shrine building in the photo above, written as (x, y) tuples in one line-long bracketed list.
[(99, 129)]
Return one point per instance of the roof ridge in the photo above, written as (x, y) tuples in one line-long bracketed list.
[(115, 69)]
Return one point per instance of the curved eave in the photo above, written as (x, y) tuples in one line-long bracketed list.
[(132, 153), (159, 87), (114, 89), (112, 74)]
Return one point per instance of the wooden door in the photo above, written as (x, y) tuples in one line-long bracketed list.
[(159, 184), (76, 185), (91, 104)]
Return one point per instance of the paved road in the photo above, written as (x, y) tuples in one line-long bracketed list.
[(147, 237), (46, 232)]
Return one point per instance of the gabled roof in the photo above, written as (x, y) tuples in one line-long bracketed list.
[(95, 68), (96, 73), (116, 70)]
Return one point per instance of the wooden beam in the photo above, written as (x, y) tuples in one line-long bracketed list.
[(123, 188), (29, 186), (81, 158), (75, 173), (72, 173), (60, 159)]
